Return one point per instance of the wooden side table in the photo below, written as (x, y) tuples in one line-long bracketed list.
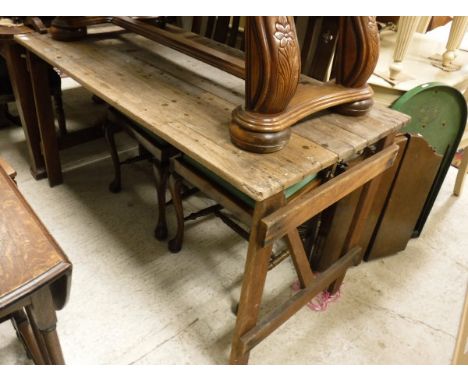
[(34, 274)]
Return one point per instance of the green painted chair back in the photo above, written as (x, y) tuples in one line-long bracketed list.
[(438, 113)]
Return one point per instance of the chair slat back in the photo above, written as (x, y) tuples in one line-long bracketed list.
[(317, 37)]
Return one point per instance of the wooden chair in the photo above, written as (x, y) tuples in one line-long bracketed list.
[(224, 29), (460, 356), (408, 25), (317, 37), (463, 168), (407, 192), (227, 196), (152, 148), (276, 96), (463, 87), (298, 205), (438, 113), (316, 54), (35, 274), (6, 96)]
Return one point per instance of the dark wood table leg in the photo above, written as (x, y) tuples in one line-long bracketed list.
[(161, 174), (256, 268), (38, 70), (22, 90), (24, 330), (42, 315), (175, 186)]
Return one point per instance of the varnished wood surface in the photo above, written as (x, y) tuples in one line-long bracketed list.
[(29, 256), (189, 104), (188, 43), (10, 171), (8, 31), (272, 68), (22, 90), (274, 102), (409, 193)]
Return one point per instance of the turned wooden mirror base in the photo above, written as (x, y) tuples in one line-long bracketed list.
[(266, 133), (64, 34), (72, 28), (355, 108), (276, 96), (263, 143)]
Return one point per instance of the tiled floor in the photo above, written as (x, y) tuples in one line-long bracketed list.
[(132, 301)]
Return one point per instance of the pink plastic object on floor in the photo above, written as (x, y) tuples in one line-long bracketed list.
[(320, 302)]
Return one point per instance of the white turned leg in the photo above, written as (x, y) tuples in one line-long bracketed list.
[(461, 174), (457, 31), (423, 24), (406, 28)]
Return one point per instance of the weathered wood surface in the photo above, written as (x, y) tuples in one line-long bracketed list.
[(278, 316), (304, 207), (189, 104), (29, 256), (348, 137)]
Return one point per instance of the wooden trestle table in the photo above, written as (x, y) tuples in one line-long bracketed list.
[(189, 103)]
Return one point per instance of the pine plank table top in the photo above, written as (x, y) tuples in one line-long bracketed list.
[(29, 256), (189, 104)]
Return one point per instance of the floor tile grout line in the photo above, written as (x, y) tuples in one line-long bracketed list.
[(165, 341)]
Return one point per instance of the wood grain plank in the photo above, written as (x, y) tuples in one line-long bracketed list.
[(373, 126), (28, 254), (302, 208), (343, 143), (10, 171), (189, 104)]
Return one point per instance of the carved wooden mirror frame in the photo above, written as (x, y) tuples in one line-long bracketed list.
[(276, 96)]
